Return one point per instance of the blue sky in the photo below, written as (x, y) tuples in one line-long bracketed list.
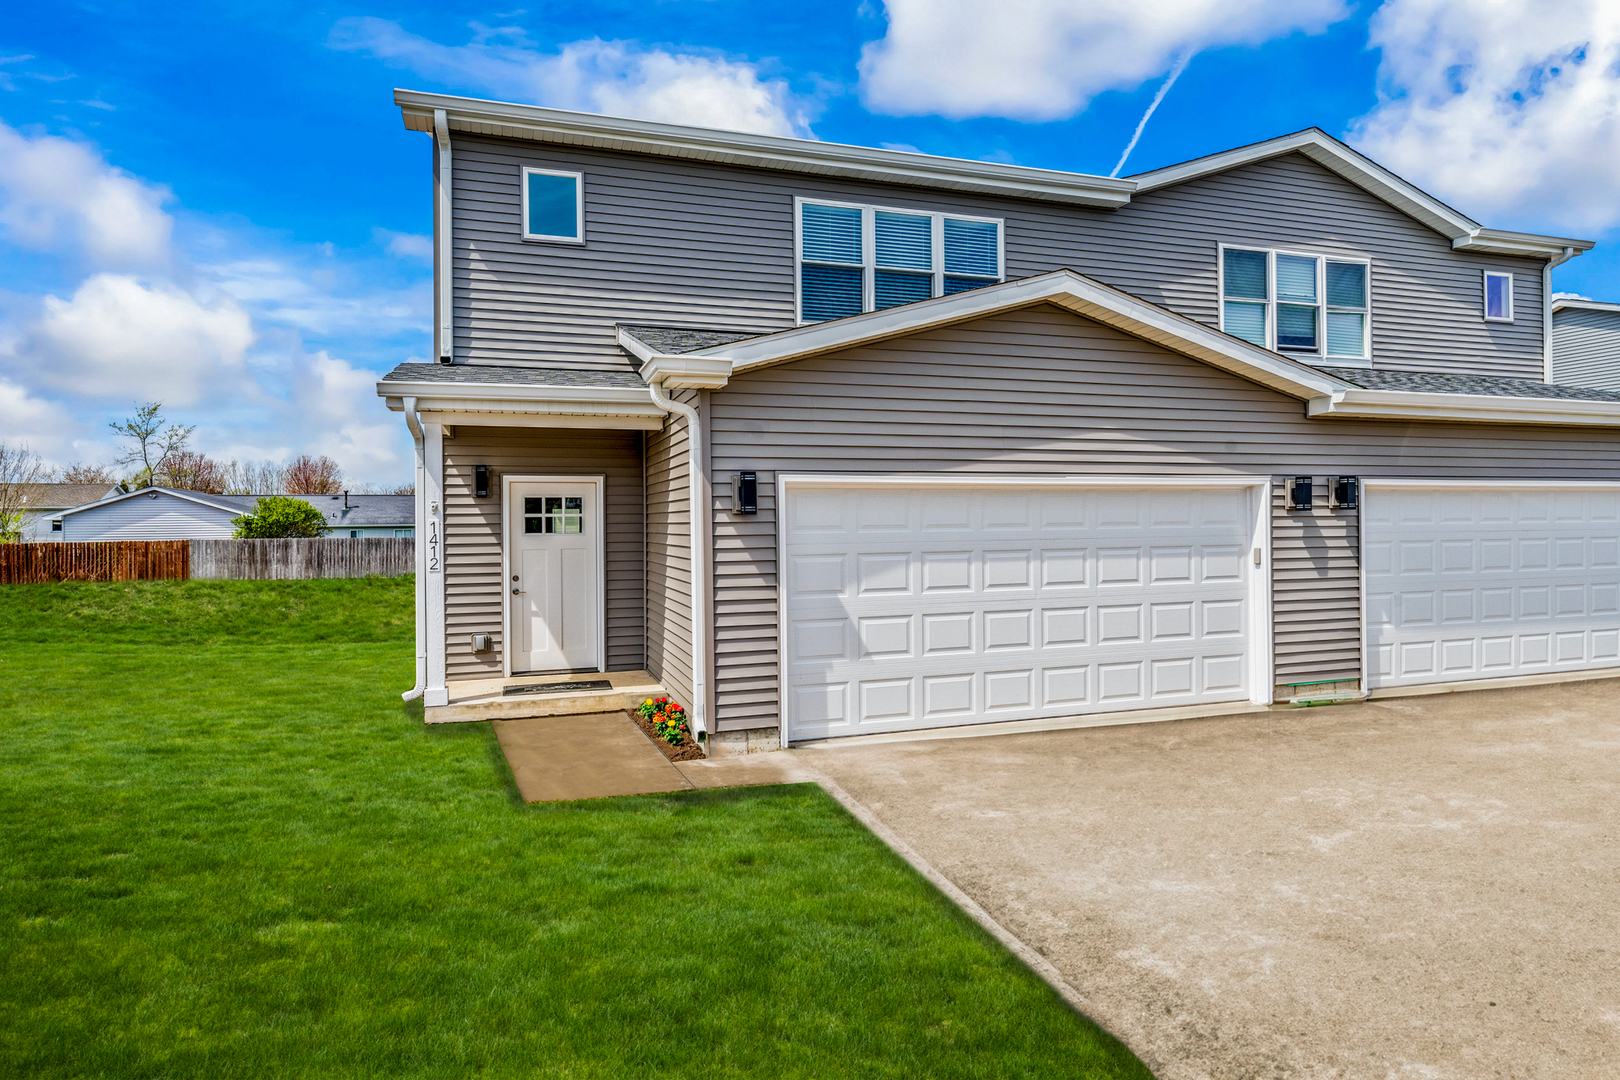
[(217, 206)]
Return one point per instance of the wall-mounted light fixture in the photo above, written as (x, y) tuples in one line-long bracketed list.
[(1346, 489), (479, 642), (1299, 493), (745, 493), (480, 481)]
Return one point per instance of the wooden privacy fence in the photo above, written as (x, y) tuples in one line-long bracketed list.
[(154, 560), (117, 560), (278, 560)]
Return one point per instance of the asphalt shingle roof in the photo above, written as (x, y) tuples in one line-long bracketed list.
[(499, 375), (674, 340), (63, 496), (1424, 382), (372, 510)]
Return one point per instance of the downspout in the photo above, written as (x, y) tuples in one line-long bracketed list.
[(694, 488), (1546, 312), (443, 259), (414, 422)]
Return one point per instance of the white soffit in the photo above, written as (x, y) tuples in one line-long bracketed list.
[(505, 120)]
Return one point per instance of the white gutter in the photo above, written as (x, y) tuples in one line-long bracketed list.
[(699, 564), (1464, 408), (443, 260), (415, 424), (1546, 312)]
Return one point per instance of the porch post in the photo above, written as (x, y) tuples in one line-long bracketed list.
[(433, 459)]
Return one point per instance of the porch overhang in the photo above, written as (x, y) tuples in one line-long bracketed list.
[(486, 405)]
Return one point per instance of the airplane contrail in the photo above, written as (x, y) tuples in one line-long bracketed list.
[(1175, 73)]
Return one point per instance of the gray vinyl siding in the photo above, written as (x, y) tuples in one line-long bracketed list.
[(1315, 588), (684, 243), (473, 539), (1045, 392), (1586, 348), (165, 517), (669, 558)]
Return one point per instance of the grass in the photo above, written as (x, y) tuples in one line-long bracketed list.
[(226, 849)]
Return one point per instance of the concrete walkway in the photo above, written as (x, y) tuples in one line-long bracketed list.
[(599, 755), (1417, 888)]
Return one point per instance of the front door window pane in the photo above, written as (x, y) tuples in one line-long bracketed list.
[(554, 514)]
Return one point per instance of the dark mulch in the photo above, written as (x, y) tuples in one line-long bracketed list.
[(685, 750)]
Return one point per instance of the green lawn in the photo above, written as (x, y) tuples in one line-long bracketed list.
[(227, 850)]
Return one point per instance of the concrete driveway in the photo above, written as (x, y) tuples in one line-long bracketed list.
[(1416, 888)]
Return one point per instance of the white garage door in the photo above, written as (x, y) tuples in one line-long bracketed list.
[(923, 606), (1490, 581)]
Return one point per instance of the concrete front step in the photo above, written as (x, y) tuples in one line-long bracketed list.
[(483, 699)]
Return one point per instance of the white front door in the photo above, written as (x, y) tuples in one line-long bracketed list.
[(1489, 580), (553, 576), (934, 606)]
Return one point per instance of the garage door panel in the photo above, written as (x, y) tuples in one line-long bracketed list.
[(1490, 583), (936, 608)]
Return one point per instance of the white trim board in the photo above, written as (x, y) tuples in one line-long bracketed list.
[(600, 482)]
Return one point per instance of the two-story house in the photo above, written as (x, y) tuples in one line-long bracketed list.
[(834, 440)]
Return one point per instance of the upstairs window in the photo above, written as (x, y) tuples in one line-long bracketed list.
[(854, 259), (553, 206), (1498, 297), (1307, 305)]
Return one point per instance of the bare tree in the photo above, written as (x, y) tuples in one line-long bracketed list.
[(191, 471), (151, 442), (255, 478), (20, 471), (356, 488), (80, 473), (313, 476)]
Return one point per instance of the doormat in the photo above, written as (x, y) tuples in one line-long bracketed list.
[(558, 687)]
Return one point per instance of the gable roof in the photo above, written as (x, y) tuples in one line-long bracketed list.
[(475, 116), (1464, 233), (373, 510), (1065, 288), (1360, 393)]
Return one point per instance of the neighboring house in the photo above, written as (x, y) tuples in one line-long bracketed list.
[(42, 501), (160, 513), (1586, 343), (916, 442)]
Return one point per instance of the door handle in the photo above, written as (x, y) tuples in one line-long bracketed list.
[(516, 590)]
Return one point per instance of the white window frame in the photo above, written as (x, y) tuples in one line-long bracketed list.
[(1485, 295), (579, 206), (1321, 354), (868, 264)]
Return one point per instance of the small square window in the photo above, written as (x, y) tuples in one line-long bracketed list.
[(553, 206), (1498, 297)]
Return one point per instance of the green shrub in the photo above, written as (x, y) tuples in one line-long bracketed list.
[(276, 516)]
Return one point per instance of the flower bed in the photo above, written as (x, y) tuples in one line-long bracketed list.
[(666, 725)]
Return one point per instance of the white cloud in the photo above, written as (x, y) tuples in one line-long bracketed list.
[(339, 405), (1045, 59), (1505, 107), (56, 193), (612, 77), (404, 245), (120, 337)]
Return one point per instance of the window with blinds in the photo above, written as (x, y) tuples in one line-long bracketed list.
[(1309, 305), (864, 258)]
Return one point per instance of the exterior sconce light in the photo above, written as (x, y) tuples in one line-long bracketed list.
[(1346, 489), (745, 493), (480, 481), (1299, 493)]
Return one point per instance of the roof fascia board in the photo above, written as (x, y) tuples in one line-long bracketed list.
[(1363, 404), (1570, 303), (1064, 288), (507, 120), (459, 416), (480, 404), (1500, 242)]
